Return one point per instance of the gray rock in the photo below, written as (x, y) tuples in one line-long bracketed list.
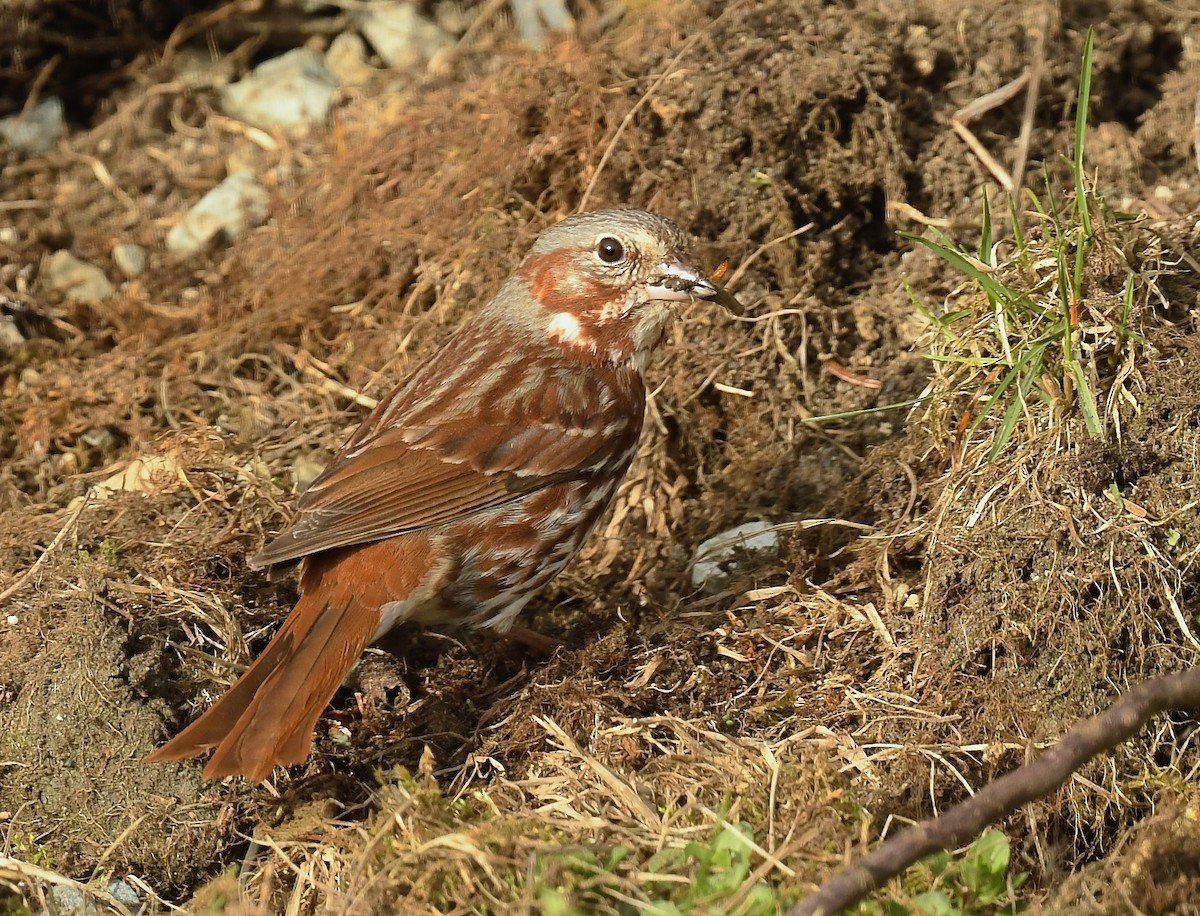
[(346, 60), (129, 258), (70, 901), (714, 558), (126, 894), (293, 91), (11, 338), (36, 131), (529, 16), (401, 37), (236, 204), (75, 278)]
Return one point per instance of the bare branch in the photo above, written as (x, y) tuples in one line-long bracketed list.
[(964, 822)]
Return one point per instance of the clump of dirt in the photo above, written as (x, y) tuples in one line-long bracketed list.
[(83, 683), (1154, 865), (74, 51), (809, 698), (1061, 572)]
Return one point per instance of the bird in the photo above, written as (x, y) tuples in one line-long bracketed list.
[(470, 485)]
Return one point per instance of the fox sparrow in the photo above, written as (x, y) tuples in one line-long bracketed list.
[(469, 486)]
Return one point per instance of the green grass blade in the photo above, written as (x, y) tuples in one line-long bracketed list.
[(986, 254), (1126, 308), (1052, 207), (957, 315), (1077, 275), (1029, 363), (1066, 287), (1016, 405), (973, 362), (864, 412), (923, 310), (1081, 117), (1087, 402), (1037, 202), (964, 264), (1005, 430)]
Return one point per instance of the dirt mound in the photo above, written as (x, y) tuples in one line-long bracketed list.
[(821, 692)]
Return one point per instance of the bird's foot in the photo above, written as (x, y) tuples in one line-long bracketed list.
[(535, 640)]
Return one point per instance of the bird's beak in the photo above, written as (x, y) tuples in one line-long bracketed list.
[(677, 280)]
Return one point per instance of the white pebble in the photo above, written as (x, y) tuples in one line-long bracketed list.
[(713, 558)]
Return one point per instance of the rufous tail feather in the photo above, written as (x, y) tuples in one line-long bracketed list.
[(267, 718)]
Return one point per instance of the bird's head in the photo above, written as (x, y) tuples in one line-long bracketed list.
[(601, 285)]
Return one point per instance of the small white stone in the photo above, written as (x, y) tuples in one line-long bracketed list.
[(713, 559), (400, 36), (533, 17), (292, 91), (11, 620), (36, 130), (74, 278), (347, 60), (236, 204), (11, 338), (125, 894), (129, 258)]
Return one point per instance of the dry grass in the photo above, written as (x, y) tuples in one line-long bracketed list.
[(1060, 551), (933, 616)]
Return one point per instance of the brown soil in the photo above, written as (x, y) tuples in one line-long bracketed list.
[(851, 680)]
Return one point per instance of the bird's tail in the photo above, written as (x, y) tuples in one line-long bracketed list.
[(266, 719)]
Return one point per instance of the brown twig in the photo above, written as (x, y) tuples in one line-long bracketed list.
[(985, 103), (196, 23), (26, 873), (482, 18), (1102, 732), (21, 580), (1196, 126), (39, 84), (765, 246)]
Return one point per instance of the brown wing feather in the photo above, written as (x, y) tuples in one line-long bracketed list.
[(398, 489), (396, 478)]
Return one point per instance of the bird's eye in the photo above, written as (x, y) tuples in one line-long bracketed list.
[(610, 250)]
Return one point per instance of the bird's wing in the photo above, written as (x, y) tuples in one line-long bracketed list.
[(401, 479)]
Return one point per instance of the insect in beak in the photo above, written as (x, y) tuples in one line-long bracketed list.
[(678, 281)]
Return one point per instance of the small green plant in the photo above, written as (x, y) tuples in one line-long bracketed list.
[(26, 847), (11, 904), (977, 883), (577, 877), (718, 869), (110, 550), (714, 875), (1033, 335)]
